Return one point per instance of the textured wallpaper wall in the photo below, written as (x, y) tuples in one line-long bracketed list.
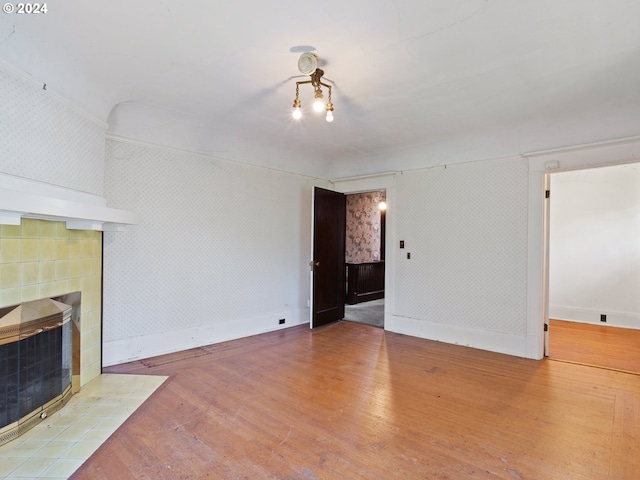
[(363, 227), (465, 227), (45, 138), (221, 247)]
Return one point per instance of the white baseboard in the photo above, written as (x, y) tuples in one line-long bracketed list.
[(136, 348), (493, 341), (587, 315)]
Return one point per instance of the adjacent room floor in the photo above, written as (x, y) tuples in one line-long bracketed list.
[(369, 313), (596, 345)]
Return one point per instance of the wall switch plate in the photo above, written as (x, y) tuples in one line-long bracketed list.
[(408, 255)]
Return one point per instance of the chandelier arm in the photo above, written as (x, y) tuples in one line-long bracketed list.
[(328, 88)]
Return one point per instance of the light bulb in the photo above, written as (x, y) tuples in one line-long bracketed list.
[(329, 116), (382, 205), (297, 113), (318, 104)]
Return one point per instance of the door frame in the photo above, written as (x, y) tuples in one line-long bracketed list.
[(369, 183), (541, 164), (545, 265)]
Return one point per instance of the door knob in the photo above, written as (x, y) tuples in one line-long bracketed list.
[(314, 264)]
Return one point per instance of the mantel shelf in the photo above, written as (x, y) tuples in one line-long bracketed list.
[(24, 198)]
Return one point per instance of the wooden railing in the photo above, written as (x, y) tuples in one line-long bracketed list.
[(365, 281)]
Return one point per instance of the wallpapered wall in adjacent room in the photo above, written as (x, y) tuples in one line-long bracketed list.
[(363, 227)]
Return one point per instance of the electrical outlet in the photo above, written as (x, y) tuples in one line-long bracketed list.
[(603, 318), (401, 243), (281, 321), (408, 255)]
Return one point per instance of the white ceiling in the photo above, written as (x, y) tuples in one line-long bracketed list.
[(416, 82)]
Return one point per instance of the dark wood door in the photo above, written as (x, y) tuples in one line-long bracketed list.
[(329, 218)]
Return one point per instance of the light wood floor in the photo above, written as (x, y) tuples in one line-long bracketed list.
[(350, 401), (597, 345)]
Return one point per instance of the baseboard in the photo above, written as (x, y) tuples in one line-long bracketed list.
[(357, 298), (486, 340), (136, 348), (587, 315)]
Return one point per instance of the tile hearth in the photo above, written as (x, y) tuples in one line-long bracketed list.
[(60, 444)]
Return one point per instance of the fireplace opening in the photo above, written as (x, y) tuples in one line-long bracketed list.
[(39, 360)]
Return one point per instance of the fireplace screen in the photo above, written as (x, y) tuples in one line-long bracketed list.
[(36, 360)]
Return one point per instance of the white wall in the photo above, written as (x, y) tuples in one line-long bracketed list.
[(465, 227), (45, 138), (221, 251), (595, 245)]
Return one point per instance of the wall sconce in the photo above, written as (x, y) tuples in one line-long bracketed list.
[(382, 205), (318, 104)]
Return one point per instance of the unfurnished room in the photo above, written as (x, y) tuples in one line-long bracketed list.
[(336, 240)]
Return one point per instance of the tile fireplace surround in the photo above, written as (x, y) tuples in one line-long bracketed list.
[(42, 259)]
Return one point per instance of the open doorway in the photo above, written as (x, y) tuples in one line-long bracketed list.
[(365, 257), (594, 267)]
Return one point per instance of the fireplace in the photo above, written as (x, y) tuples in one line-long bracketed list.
[(39, 361)]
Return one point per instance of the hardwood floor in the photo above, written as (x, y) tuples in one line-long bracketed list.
[(351, 401), (596, 345)]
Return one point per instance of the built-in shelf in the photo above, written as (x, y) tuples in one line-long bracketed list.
[(25, 198)]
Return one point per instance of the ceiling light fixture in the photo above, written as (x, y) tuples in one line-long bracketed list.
[(308, 65)]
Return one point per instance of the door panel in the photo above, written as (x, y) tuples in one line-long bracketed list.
[(327, 302)]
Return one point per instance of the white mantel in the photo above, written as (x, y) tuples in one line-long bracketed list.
[(25, 198)]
